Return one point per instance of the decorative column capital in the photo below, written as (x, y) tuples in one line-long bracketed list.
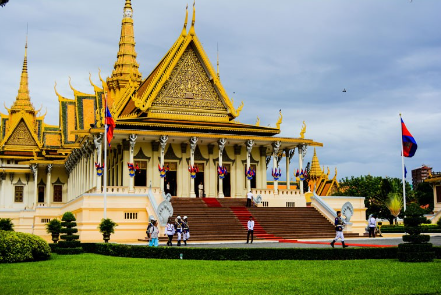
[(276, 146), (34, 169), (49, 168), (97, 139), (249, 144), (221, 142), (193, 143), (303, 149), (132, 140), (289, 153), (163, 142)]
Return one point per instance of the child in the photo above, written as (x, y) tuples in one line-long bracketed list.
[(154, 232)]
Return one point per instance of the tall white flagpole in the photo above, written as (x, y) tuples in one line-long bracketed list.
[(105, 156), (402, 165)]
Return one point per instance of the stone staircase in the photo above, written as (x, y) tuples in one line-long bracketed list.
[(226, 219)]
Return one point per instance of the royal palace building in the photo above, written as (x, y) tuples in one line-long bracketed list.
[(175, 130)]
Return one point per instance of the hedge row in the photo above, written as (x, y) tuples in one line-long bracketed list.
[(431, 228), (18, 247), (243, 253)]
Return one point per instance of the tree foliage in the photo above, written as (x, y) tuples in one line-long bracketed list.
[(375, 190)]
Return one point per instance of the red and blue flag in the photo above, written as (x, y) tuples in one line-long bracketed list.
[(409, 144), (110, 124)]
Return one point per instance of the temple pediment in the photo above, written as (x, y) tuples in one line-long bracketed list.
[(21, 137)]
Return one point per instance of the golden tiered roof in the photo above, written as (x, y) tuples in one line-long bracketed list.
[(319, 180), (23, 100), (126, 68)]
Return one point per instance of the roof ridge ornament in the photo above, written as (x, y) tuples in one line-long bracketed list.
[(192, 31), (280, 119), (184, 29)]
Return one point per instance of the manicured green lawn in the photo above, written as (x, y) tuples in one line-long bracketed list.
[(96, 274)]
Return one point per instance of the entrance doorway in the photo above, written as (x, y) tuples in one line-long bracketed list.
[(141, 174), (199, 180), (41, 194), (226, 183), (170, 182)]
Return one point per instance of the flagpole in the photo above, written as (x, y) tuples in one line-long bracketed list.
[(105, 156), (402, 166)]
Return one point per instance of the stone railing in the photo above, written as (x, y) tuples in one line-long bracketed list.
[(125, 190), (318, 203), (281, 192)]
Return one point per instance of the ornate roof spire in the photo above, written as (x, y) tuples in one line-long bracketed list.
[(23, 100), (315, 171), (192, 32), (218, 61), (184, 29), (126, 67)]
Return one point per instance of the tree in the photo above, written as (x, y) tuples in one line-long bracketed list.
[(424, 195), (69, 243), (6, 224), (375, 189), (3, 2)]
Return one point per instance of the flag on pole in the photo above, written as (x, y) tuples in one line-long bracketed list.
[(110, 123), (409, 143)]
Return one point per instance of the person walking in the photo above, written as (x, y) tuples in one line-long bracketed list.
[(372, 226), (339, 223), (154, 233), (250, 227), (249, 198), (149, 226), (186, 230), (170, 231)]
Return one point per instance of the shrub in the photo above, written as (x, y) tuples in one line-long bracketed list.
[(6, 224), (107, 227), (69, 241), (412, 252), (18, 247)]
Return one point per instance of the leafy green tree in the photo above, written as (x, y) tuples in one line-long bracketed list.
[(424, 195), (6, 224)]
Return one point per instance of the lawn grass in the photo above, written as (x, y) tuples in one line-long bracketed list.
[(97, 274)]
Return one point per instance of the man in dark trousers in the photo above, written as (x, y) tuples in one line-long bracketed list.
[(339, 230), (250, 227)]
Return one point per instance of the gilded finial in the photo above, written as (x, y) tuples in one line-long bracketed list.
[(280, 119), (218, 76), (258, 121), (184, 29), (96, 88), (192, 31), (302, 132)]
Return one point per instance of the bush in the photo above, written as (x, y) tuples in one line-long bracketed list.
[(6, 224), (425, 228), (18, 247), (69, 243), (245, 253)]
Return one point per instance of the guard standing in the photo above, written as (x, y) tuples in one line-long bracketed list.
[(250, 227), (179, 229), (339, 223), (186, 230)]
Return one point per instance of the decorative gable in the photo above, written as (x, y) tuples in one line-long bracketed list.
[(22, 136), (189, 86)]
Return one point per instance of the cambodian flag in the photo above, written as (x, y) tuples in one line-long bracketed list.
[(110, 124), (409, 143)]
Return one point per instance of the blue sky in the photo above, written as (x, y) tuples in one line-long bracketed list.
[(291, 55)]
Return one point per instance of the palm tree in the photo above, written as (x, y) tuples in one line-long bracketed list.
[(394, 204)]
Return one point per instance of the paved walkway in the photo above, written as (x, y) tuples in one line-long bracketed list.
[(385, 241)]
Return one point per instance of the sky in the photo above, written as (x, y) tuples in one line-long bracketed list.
[(293, 55)]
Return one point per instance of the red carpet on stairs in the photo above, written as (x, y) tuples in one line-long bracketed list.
[(211, 202), (243, 215)]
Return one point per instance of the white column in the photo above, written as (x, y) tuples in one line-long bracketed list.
[(289, 153), (193, 144), (276, 147), (132, 141), (48, 185), (163, 143), (249, 145), (221, 143), (302, 152), (34, 168), (97, 139), (211, 184)]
